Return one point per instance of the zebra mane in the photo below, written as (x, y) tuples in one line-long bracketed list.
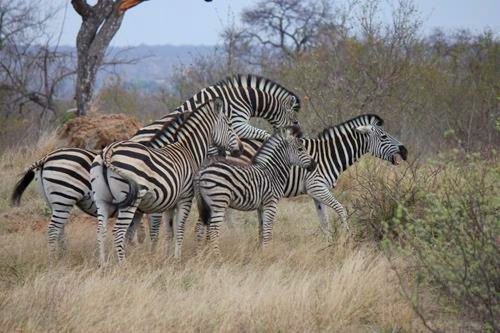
[(273, 141), (241, 81), (276, 139), (186, 116), (364, 119), (172, 122)]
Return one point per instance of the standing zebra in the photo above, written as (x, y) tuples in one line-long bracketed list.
[(334, 150), (139, 179), (64, 174), (258, 185), (63, 177)]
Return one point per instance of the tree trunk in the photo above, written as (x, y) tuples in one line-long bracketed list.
[(100, 23)]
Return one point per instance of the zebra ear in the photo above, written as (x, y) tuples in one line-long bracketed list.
[(364, 129), (290, 102)]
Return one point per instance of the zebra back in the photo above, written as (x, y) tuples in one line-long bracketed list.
[(243, 96)]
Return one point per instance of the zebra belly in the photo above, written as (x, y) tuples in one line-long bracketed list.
[(156, 201), (246, 200), (244, 206)]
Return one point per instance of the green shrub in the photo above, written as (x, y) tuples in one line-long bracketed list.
[(445, 215)]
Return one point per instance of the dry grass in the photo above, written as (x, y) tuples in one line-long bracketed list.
[(299, 284)]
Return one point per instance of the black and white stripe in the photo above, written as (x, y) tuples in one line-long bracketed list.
[(334, 150), (224, 184), (244, 96), (63, 177), (139, 179)]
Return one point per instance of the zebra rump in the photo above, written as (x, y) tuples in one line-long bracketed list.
[(133, 187)]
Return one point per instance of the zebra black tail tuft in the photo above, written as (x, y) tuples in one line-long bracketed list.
[(21, 186), (131, 196), (203, 210)]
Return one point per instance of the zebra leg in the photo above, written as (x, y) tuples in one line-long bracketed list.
[(324, 220), (103, 212), (169, 231), (323, 195), (216, 218), (268, 217), (133, 229), (131, 232), (123, 221), (182, 211), (154, 229), (141, 232), (260, 219), (201, 234), (245, 130), (55, 230)]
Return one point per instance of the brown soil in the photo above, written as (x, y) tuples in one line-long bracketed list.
[(97, 131)]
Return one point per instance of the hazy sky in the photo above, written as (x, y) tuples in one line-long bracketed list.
[(197, 22)]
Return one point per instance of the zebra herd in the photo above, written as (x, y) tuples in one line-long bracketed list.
[(171, 161)]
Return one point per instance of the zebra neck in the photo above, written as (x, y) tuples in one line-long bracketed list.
[(272, 157), (195, 134), (340, 149)]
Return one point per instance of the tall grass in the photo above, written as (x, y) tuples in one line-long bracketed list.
[(296, 286), (301, 283)]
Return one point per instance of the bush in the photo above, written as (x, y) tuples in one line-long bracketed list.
[(445, 215)]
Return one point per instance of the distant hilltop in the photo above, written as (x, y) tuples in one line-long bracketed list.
[(153, 67)]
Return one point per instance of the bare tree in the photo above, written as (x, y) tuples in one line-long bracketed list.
[(100, 23), (31, 69), (288, 26)]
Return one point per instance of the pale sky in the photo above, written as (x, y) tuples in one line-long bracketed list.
[(196, 22)]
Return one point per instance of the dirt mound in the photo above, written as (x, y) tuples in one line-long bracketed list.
[(97, 131)]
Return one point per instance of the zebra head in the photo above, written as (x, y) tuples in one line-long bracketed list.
[(224, 136), (381, 144), (297, 153), (288, 107)]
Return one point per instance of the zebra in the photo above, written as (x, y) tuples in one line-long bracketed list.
[(250, 95), (140, 179), (334, 150), (259, 185), (63, 178), (245, 95)]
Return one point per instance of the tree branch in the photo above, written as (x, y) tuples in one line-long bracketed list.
[(127, 4), (82, 8)]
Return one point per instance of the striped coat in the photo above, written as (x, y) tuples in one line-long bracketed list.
[(139, 179), (260, 184)]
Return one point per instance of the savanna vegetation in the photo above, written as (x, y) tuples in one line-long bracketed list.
[(422, 252)]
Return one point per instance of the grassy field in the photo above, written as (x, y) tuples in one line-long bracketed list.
[(301, 283)]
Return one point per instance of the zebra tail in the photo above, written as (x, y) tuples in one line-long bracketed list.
[(23, 183), (203, 209), (133, 192), (131, 196)]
